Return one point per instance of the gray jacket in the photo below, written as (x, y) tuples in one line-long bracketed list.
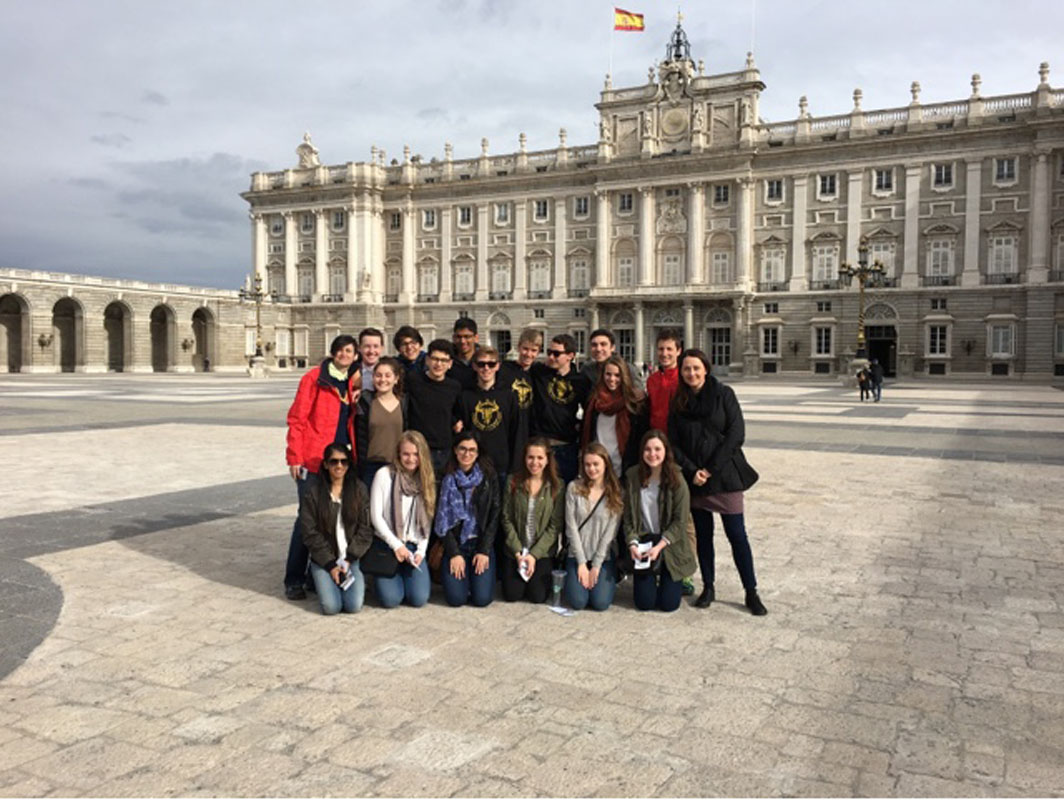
[(595, 540)]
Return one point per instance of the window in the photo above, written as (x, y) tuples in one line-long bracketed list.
[(774, 190), (428, 282), (581, 278), (579, 313), (581, 206), (720, 346), (337, 279), (275, 248), (1059, 336), (1060, 253), (538, 313), (827, 187), (939, 258), (580, 334), (395, 221), (626, 344), (672, 274), (624, 203), (770, 341), (306, 281), (823, 306), (822, 341), (938, 303), (1004, 170), (277, 226), (721, 267), (465, 216), (502, 341), (1001, 341), (942, 176), (339, 220), (463, 278), (540, 213), (883, 252), (825, 262), (937, 340), (772, 268), (249, 341), (625, 271), (394, 281), (275, 279), (1001, 257), (428, 219), (500, 277), (300, 342), (281, 336), (502, 213), (883, 180), (720, 194), (672, 192), (306, 224), (772, 308), (539, 275), (338, 245)]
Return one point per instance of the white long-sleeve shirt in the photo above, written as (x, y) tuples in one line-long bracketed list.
[(380, 514)]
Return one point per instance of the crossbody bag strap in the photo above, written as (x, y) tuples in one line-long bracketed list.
[(591, 513)]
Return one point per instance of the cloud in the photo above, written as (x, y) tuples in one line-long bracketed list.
[(90, 183), (153, 98), (122, 116), (118, 140)]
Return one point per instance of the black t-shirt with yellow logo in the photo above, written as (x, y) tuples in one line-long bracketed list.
[(556, 401), (493, 414)]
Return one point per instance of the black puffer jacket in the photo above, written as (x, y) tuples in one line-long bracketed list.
[(709, 435)]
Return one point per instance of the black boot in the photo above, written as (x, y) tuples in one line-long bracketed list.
[(705, 598), (753, 602)]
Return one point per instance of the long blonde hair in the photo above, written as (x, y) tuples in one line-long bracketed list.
[(425, 473), (611, 488)]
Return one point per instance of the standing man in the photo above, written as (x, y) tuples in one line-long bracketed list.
[(323, 412), (876, 371), (370, 350), (432, 403), (466, 340), (515, 374), (408, 343), (601, 345), (559, 393), (490, 409)]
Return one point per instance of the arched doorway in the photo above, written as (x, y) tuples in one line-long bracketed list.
[(204, 335), (118, 332), (68, 342), (163, 335), (14, 333), (881, 336)]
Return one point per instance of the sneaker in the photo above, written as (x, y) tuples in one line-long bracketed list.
[(688, 586), (295, 593)]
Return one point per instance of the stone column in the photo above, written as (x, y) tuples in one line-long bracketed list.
[(745, 237), (972, 202), (352, 253), (365, 247), (377, 235), (321, 253), (799, 277), (696, 234), (520, 246), (290, 246), (446, 279), (640, 354), (560, 281), (258, 247), (1038, 269), (646, 236), (688, 324), (407, 291), (853, 215), (602, 240), (910, 276), (483, 283), (594, 317)]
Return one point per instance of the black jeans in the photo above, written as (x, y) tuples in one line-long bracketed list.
[(735, 530), (656, 590), (515, 588)]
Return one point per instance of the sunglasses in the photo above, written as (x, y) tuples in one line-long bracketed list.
[(556, 353), (487, 364), (337, 462)]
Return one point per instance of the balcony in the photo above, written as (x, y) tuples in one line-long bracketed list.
[(391, 298), (428, 298), (1056, 276), (463, 297), (888, 283), (332, 298), (773, 286), (304, 298), (500, 296), (539, 295), (938, 280), (579, 292), (833, 283), (999, 278)]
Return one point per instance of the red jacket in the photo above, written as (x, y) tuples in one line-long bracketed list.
[(314, 415), (661, 386)]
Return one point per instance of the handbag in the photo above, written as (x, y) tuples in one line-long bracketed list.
[(379, 560)]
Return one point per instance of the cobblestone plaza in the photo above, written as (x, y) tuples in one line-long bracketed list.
[(908, 553)]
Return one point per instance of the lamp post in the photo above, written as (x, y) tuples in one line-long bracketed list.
[(256, 368), (870, 275)]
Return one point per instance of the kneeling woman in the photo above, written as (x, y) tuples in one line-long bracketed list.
[(533, 509), (656, 509), (401, 506), (334, 518), (467, 519), (593, 505)]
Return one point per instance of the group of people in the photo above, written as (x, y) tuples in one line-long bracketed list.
[(446, 461), (870, 381)]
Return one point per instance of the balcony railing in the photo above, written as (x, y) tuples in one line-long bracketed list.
[(1057, 276), (938, 280), (539, 295), (579, 292), (304, 298), (428, 298), (332, 298), (463, 297), (391, 298), (832, 283), (998, 278), (773, 286), (500, 295)]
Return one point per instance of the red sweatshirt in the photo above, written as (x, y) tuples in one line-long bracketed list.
[(661, 386)]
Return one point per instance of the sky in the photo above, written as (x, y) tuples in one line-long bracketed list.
[(130, 127)]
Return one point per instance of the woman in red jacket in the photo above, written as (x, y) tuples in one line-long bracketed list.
[(322, 412)]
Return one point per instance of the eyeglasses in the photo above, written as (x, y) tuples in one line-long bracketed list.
[(466, 450), (556, 353), (440, 359), (337, 462), (487, 364)]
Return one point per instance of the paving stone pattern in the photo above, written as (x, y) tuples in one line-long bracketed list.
[(914, 644)]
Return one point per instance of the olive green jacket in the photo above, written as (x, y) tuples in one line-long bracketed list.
[(549, 518), (675, 509)]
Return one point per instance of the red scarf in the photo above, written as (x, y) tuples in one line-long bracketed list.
[(606, 402)]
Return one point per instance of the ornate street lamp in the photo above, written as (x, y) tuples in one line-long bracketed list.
[(867, 275), (258, 296)]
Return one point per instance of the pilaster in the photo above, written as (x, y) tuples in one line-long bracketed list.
[(321, 253), (520, 249), (640, 352), (972, 203), (696, 234), (407, 291), (446, 279), (853, 214), (646, 236), (799, 282), (352, 252), (258, 246), (688, 324), (744, 237), (910, 276), (1038, 271), (482, 252), (559, 248), (602, 240), (290, 247)]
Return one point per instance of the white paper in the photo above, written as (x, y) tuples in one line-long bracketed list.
[(642, 562)]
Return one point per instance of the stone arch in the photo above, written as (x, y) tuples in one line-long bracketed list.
[(16, 347), (68, 334), (718, 316), (499, 319), (118, 335), (622, 318), (881, 311), (205, 337), (163, 324), (667, 318)]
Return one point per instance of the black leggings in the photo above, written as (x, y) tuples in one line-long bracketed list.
[(515, 588)]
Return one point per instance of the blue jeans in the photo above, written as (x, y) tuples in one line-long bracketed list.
[(567, 457), (656, 590), (601, 595), (332, 599), (295, 571), (735, 530), (877, 390), (408, 583), (479, 590)]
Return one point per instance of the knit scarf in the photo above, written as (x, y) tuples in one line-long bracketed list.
[(606, 402), (456, 503), (407, 485)]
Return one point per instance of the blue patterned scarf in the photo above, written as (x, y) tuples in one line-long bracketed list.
[(456, 503)]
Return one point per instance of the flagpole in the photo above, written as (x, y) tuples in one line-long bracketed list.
[(612, 15)]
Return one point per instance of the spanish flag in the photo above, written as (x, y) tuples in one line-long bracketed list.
[(627, 21)]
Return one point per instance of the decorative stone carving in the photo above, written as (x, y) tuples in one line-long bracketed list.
[(697, 118), (880, 311), (308, 153), (672, 219)]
